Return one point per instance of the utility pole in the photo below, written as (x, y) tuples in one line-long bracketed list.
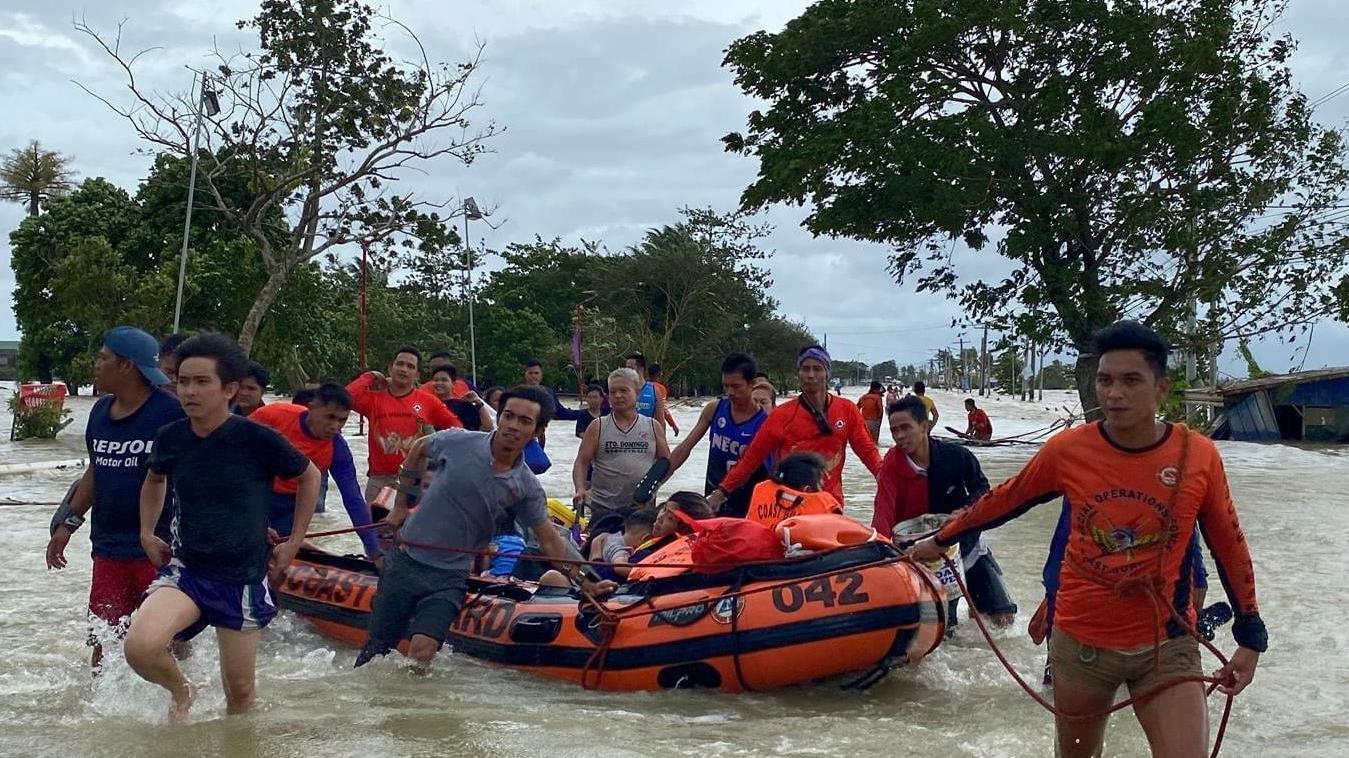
[(1027, 372), (983, 364), (1040, 380), (962, 362)]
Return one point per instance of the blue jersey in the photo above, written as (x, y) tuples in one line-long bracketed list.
[(119, 450), (729, 441), (646, 400)]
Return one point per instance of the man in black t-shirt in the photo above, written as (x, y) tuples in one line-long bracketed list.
[(221, 467)]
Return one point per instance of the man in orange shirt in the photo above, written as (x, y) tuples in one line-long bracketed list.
[(815, 421), (396, 409), (1135, 489), (872, 405)]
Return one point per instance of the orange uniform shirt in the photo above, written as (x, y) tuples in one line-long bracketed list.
[(872, 406), (791, 427), (1126, 520), (395, 421)]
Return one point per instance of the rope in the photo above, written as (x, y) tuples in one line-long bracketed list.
[(1139, 583), (1142, 697)]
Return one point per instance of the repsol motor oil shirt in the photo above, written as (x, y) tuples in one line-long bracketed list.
[(1131, 514), (119, 451)]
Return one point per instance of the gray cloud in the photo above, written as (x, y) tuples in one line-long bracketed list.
[(613, 113)]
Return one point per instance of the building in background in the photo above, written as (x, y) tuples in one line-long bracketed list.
[(1310, 406), (9, 359)]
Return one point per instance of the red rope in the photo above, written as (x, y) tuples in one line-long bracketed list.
[(1142, 697)]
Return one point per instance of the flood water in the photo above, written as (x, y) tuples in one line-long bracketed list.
[(957, 702)]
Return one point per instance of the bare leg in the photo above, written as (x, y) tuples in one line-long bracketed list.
[(1080, 738), (421, 649), (238, 661), (164, 613), (96, 659), (1176, 721)]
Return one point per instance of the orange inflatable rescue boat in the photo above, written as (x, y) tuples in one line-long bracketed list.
[(848, 610)]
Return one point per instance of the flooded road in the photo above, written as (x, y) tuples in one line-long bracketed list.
[(957, 702)]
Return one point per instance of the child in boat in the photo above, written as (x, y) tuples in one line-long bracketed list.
[(617, 547), (665, 529), (794, 490)]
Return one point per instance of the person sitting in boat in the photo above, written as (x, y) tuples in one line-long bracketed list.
[(794, 490), (614, 549), (670, 538), (979, 426), (617, 549), (921, 474)]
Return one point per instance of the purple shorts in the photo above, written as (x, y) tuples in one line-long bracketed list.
[(241, 607)]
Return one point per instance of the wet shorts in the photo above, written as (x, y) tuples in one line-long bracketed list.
[(413, 598), (1105, 670), (118, 586), (241, 607)]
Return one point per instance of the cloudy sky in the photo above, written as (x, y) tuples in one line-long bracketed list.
[(613, 111)]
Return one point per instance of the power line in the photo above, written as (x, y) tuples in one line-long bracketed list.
[(1322, 100)]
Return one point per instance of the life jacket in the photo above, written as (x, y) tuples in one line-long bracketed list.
[(773, 502), (679, 551)]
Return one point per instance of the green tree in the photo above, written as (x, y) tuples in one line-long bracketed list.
[(549, 278), (55, 334), (883, 369), (31, 175), (321, 121), (1134, 158)]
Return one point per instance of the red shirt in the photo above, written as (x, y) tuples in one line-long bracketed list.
[(395, 421), (901, 492), (981, 427), (1131, 515), (285, 419), (791, 427)]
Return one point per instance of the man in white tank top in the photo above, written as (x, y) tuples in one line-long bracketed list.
[(621, 447)]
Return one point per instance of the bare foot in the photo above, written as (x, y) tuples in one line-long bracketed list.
[(181, 704), (1002, 620)]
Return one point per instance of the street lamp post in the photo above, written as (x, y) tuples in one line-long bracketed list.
[(470, 212), (208, 102)]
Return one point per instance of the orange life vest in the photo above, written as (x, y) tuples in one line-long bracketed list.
[(773, 502), (678, 551)]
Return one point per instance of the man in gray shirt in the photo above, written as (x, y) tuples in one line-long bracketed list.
[(476, 479)]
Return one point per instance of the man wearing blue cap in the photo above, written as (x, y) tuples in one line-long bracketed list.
[(119, 436)]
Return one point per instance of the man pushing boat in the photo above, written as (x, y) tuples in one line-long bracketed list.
[(476, 480)]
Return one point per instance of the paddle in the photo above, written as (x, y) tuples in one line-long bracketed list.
[(646, 488)]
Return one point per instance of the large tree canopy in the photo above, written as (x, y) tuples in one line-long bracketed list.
[(322, 121), (1132, 158)]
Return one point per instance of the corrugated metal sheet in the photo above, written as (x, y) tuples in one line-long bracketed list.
[(1251, 419)]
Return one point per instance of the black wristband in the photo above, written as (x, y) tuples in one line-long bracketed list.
[(1249, 631)]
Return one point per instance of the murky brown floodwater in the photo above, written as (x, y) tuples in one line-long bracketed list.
[(958, 702)]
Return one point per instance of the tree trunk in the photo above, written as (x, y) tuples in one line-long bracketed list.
[(34, 203), (1085, 374), (266, 296)]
